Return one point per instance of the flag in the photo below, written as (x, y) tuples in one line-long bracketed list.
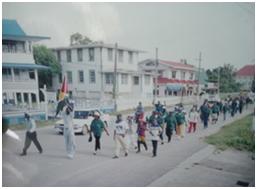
[(62, 102), (64, 89)]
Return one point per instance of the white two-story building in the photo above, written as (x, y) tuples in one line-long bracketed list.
[(174, 78), (89, 70), (19, 71)]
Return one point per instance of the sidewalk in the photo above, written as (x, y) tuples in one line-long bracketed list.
[(211, 168)]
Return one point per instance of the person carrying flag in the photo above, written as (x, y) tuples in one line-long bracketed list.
[(66, 108)]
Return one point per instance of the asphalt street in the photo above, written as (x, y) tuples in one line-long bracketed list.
[(53, 168)]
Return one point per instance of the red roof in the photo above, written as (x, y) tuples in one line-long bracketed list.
[(164, 80), (176, 64), (248, 70)]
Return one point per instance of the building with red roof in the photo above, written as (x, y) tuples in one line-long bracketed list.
[(174, 78), (245, 76)]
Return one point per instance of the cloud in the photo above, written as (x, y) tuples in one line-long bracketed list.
[(60, 20)]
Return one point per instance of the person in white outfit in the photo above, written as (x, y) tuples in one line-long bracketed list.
[(68, 132), (120, 131), (155, 130), (131, 133)]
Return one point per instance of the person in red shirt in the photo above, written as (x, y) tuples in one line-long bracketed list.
[(141, 128)]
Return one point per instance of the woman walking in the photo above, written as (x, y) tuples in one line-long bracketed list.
[(97, 127), (155, 130), (141, 128), (193, 118)]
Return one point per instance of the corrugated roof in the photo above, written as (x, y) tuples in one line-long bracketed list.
[(248, 70), (11, 27), (172, 64), (176, 64), (23, 65), (13, 31), (95, 44)]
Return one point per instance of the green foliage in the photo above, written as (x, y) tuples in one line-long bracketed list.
[(78, 39), (227, 78), (45, 56), (238, 135)]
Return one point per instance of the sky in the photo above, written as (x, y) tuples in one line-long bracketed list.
[(222, 32)]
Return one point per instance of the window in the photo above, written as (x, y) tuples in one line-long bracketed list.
[(92, 76), (110, 54), (17, 73), (18, 96), (130, 57), (91, 54), (7, 74), (183, 75), (120, 57), (147, 79), (59, 56), (191, 76), (60, 77), (32, 74), (124, 79), (80, 54), (173, 73), (136, 80), (68, 53), (81, 76), (26, 97), (30, 46), (69, 76), (109, 78)]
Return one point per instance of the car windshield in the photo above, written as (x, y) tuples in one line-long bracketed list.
[(82, 114)]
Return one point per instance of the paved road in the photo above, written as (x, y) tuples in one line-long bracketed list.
[(53, 168)]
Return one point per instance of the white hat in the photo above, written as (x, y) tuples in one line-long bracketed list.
[(96, 113)]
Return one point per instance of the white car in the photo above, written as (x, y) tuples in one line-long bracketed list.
[(81, 121)]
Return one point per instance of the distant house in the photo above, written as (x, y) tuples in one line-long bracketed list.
[(19, 71), (174, 78), (245, 76), (89, 70)]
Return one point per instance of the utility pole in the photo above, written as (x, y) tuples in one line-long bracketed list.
[(219, 82), (156, 74), (115, 77), (199, 71)]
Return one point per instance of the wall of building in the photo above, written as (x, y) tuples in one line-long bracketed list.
[(18, 58), (107, 66)]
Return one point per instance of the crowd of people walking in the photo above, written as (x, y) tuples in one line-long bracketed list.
[(130, 132)]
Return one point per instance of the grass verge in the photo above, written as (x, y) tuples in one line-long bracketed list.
[(238, 135)]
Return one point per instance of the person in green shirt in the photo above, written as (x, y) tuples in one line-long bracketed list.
[(180, 118), (97, 126), (215, 112), (171, 123)]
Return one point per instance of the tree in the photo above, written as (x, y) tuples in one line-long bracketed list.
[(78, 39), (227, 78), (45, 56)]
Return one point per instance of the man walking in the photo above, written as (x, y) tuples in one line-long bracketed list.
[(205, 112), (171, 123), (31, 135), (120, 131), (68, 132)]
